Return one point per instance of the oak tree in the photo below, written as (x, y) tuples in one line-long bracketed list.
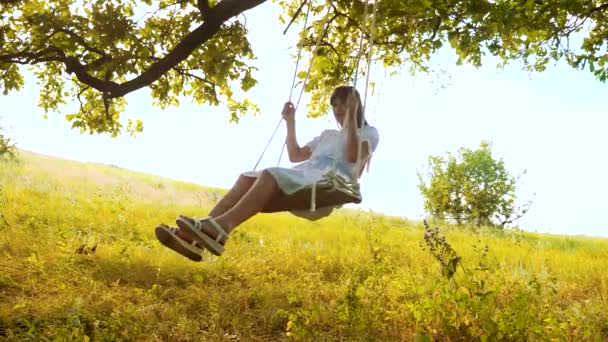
[(97, 52)]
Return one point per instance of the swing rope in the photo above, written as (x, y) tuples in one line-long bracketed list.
[(294, 79), (368, 72), (369, 55), (360, 47), (333, 182), (317, 43), (293, 82)]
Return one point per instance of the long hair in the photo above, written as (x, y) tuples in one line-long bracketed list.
[(341, 93)]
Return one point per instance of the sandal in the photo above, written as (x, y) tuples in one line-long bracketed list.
[(168, 237), (195, 228)]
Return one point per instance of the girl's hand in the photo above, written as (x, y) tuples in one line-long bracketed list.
[(351, 102), (289, 112), (352, 107)]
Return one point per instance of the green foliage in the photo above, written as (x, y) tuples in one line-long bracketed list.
[(438, 246), (475, 299), (97, 52), (7, 148), (473, 188), (112, 41)]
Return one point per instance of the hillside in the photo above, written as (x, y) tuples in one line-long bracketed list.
[(355, 276)]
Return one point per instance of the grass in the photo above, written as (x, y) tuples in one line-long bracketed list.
[(355, 276)]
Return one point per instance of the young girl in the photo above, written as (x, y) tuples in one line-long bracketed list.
[(346, 151)]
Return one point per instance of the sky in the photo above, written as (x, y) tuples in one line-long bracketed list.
[(552, 124)]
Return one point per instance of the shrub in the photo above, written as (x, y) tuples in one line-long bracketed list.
[(474, 188)]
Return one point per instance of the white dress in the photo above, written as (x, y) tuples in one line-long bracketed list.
[(328, 151)]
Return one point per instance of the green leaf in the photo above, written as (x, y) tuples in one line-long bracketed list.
[(117, 43)]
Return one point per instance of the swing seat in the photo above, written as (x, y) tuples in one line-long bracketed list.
[(332, 191)]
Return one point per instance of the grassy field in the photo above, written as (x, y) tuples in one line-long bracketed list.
[(355, 276)]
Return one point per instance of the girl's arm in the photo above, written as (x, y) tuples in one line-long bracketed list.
[(353, 147), (364, 157), (295, 152), (352, 137)]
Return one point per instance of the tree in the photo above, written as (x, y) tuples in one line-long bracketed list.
[(7, 147), (474, 188), (97, 52)]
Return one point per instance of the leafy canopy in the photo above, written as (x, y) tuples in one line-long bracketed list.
[(97, 52), (474, 188)]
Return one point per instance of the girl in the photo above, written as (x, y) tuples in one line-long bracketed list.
[(276, 188)]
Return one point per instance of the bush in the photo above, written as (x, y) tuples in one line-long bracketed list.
[(7, 147), (474, 189)]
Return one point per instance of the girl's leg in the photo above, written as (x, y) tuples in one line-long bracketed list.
[(262, 191), (239, 189)]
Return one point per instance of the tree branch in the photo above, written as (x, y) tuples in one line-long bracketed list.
[(324, 43), (158, 10), (597, 9), (79, 99), (9, 2), (185, 73), (328, 24), (97, 63), (79, 40), (351, 20), (26, 57), (435, 30), (217, 16), (297, 14), (73, 65), (204, 8)]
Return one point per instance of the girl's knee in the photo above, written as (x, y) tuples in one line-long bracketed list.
[(266, 174), (244, 180), (267, 177)]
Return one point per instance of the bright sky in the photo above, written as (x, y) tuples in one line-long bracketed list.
[(552, 124)]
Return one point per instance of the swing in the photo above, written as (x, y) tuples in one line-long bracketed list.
[(332, 191)]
